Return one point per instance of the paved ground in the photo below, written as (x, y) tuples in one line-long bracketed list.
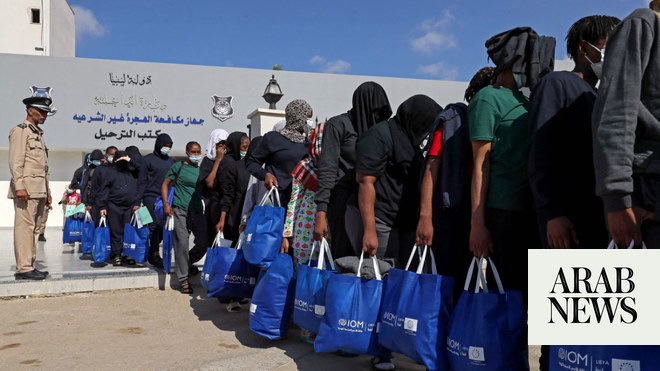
[(150, 329)]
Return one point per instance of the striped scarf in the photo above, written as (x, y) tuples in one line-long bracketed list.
[(305, 171)]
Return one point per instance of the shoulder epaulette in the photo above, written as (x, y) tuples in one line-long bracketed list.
[(22, 125)]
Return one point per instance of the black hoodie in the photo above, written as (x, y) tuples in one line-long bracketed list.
[(118, 186), (155, 167)]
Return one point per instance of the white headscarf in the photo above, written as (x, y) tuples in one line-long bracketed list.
[(217, 136)]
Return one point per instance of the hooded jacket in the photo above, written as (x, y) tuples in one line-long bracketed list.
[(156, 166), (118, 186)]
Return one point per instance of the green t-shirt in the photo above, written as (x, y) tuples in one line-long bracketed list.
[(499, 115), (188, 189)]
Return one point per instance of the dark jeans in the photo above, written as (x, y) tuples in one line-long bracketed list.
[(155, 228), (117, 217)]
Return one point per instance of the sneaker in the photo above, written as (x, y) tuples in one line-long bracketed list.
[(233, 307)]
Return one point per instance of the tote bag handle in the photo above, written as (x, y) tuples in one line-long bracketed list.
[(323, 250), (481, 280), (376, 268), (422, 259), (169, 223), (269, 194), (612, 245), (102, 223), (88, 217)]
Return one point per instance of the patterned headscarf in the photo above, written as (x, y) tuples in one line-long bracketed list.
[(296, 120)]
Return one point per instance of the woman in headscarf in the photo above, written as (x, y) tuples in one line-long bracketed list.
[(255, 188), (210, 169), (336, 162), (388, 166), (280, 152), (233, 184)]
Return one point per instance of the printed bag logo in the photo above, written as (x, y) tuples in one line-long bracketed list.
[(410, 324), (222, 109), (352, 325), (476, 354), (319, 310), (130, 246), (253, 308), (625, 365), (572, 360)]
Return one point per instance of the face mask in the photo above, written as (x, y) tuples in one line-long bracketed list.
[(521, 80), (598, 66), (243, 154), (96, 162), (69, 191), (109, 158), (165, 150), (195, 159)]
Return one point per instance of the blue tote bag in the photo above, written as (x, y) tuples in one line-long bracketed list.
[(209, 258), (415, 312), (487, 330), (263, 234), (352, 306), (136, 241), (72, 230), (604, 357), (270, 310), (159, 208), (311, 284), (229, 275), (168, 239), (101, 248), (88, 229)]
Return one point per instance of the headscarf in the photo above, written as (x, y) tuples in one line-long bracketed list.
[(96, 154), (370, 106), (216, 137), (133, 152), (120, 164), (234, 144), (305, 171), (161, 141), (279, 126), (415, 117), (296, 114)]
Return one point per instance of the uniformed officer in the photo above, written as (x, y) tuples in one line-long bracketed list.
[(28, 163)]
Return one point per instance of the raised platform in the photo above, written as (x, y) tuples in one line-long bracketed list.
[(71, 271)]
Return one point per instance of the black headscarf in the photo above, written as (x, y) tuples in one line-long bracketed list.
[(370, 106), (415, 118), (161, 141), (117, 164), (234, 144)]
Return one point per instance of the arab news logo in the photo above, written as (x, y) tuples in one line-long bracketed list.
[(222, 109)]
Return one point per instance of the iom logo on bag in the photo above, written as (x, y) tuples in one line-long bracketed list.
[(351, 325), (233, 279), (301, 305), (319, 310), (574, 361), (130, 246), (253, 308), (476, 354), (389, 318)]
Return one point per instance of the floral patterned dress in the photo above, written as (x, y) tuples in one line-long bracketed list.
[(299, 224)]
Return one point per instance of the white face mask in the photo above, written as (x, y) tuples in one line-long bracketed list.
[(521, 80), (598, 66)]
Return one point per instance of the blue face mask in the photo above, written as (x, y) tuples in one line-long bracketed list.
[(96, 162), (243, 153), (195, 159), (165, 150)]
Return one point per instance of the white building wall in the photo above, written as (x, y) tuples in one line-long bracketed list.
[(54, 35), (62, 26)]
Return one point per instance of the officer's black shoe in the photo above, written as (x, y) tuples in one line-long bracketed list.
[(45, 273), (42, 238), (31, 275)]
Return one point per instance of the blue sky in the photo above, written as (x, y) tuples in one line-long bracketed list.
[(412, 39)]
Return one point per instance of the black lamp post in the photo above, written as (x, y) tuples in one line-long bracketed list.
[(273, 93)]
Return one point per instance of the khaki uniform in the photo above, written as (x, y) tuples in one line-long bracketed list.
[(28, 163)]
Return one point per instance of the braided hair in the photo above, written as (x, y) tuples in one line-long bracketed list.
[(590, 29), (481, 79)]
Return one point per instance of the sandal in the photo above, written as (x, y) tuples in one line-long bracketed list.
[(186, 288), (233, 307), (117, 262), (127, 260)]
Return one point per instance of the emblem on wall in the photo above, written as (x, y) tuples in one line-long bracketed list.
[(222, 109)]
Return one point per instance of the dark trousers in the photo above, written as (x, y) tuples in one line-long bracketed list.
[(155, 228), (117, 217), (339, 241), (512, 233)]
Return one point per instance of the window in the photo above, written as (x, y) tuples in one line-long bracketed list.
[(35, 15)]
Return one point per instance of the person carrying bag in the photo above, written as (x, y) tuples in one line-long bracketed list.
[(311, 284), (487, 330), (228, 274), (159, 207), (415, 312), (263, 234), (136, 241), (101, 248), (272, 301), (352, 305), (88, 229)]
